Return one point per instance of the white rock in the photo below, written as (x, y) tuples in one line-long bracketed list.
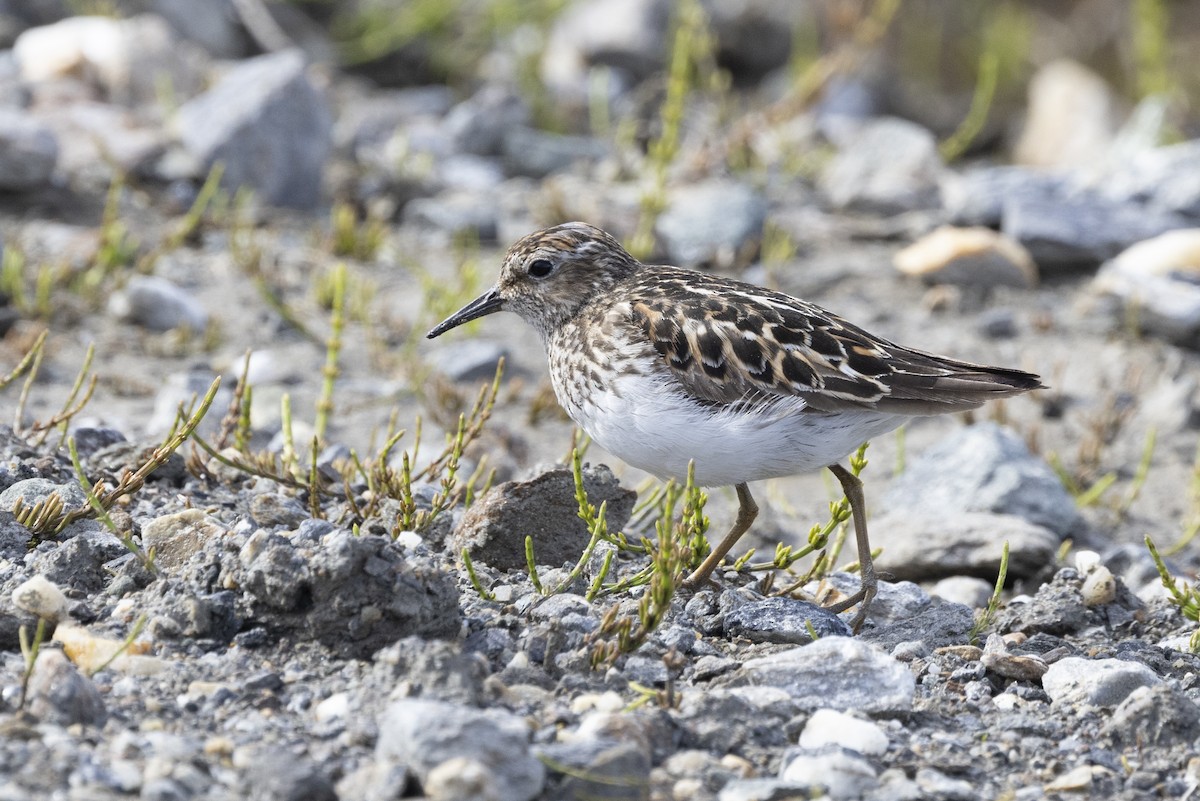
[(1076, 681), (842, 775), (1071, 120), (831, 727), (968, 257), (42, 597)]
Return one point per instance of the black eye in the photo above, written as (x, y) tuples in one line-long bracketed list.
[(540, 268)]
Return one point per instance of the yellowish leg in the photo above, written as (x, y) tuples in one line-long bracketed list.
[(852, 486), (747, 511)]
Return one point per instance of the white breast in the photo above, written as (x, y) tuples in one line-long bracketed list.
[(649, 422)]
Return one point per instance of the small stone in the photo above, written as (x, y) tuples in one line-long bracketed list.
[(1071, 120), (831, 727), (272, 510), (841, 776), (754, 790), (983, 468), (975, 257), (1156, 282), (997, 659), (1166, 179), (712, 223), (32, 491), (274, 775), (1158, 715), (782, 620), (966, 590), (90, 439), (41, 597), (60, 694), (176, 537), (1075, 681), (997, 323), (923, 545), (158, 304), (1075, 780), (419, 735), (933, 783), (1099, 588), (28, 151), (887, 166), (597, 768), (268, 125), (836, 672), (495, 526), (536, 154), (471, 360), (479, 124)]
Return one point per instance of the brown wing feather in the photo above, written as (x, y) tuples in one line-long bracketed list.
[(729, 342)]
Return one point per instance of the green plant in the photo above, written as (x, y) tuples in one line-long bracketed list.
[(29, 651), (1186, 597), (988, 614), (353, 237)]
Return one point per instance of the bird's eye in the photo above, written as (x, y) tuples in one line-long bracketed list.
[(540, 268)]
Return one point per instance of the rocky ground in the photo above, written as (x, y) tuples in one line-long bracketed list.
[(275, 641)]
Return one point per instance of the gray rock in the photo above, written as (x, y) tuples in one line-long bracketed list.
[(158, 304), (972, 593), (480, 123), (420, 735), (984, 468), (836, 672), (938, 624), (1157, 715), (600, 769), (79, 563), (469, 360), (495, 526), (624, 36), (431, 669), (886, 166), (920, 546), (355, 594), (1157, 283), (1057, 608), (90, 439), (763, 790), (60, 694), (839, 775), (1081, 229), (713, 222), (977, 197), (724, 719), (32, 491), (895, 601), (272, 510), (755, 37), (1167, 179), (783, 620), (213, 25), (176, 537), (536, 154), (269, 126), (455, 211), (276, 775), (28, 151), (1075, 681)]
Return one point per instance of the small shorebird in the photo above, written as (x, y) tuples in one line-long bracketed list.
[(664, 367)]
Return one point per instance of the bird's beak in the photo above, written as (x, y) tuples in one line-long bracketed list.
[(485, 304)]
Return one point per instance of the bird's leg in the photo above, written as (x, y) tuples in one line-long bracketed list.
[(852, 486), (747, 511)]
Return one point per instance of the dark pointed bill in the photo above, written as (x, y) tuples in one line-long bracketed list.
[(485, 304)]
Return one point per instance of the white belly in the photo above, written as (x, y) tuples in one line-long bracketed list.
[(652, 425)]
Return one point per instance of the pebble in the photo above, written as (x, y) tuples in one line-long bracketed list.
[(966, 590), (834, 672), (419, 735), (1155, 283), (176, 537), (712, 223), (597, 768), (841, 776), (974, 257), (536, 154), (983, 468), (32, 491), (494, 528), (923, 545), (1166, 179), (41, 597), (269, 126), (1071, 118), (782, 620), (28, 151), (831, 727), (60, 694), (998, 660), (1075, 681), (1156, 715), (886, 166), (158, 305)]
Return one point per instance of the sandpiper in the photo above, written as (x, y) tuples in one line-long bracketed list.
[(664, 366)]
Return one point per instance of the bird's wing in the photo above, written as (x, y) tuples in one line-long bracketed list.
[(733, 343)]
